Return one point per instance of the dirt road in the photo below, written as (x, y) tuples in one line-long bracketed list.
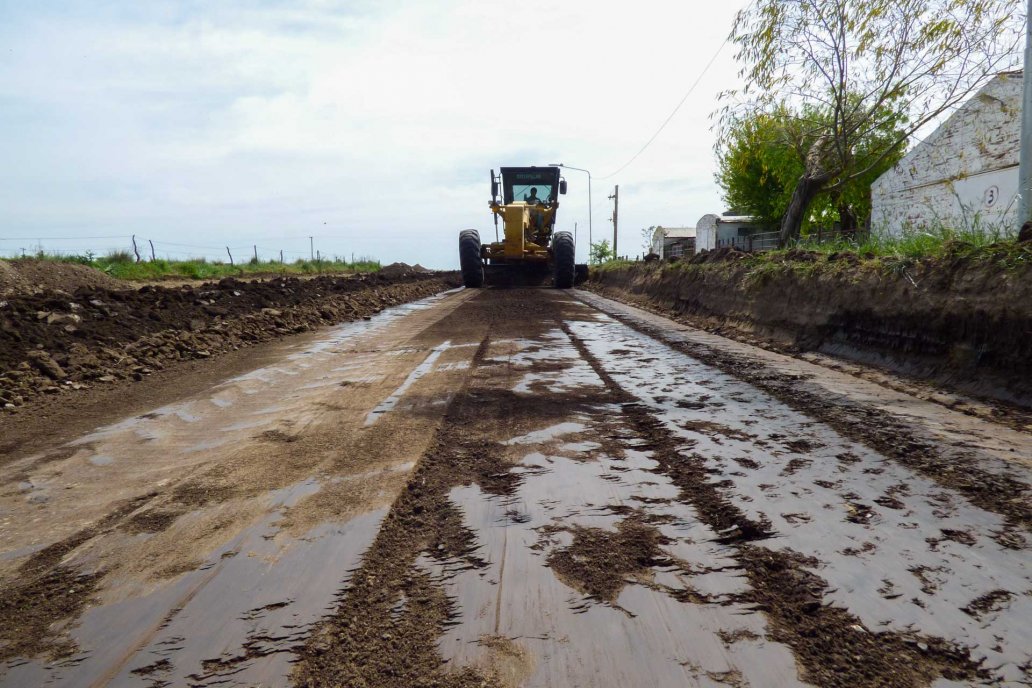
[(522, 488)]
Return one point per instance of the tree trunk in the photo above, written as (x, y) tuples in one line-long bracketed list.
[(848, 220), (792, 222)]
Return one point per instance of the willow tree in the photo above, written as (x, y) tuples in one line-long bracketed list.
[(868, 66), (762, 156)]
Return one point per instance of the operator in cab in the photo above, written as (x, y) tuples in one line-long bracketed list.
[(532, 199)]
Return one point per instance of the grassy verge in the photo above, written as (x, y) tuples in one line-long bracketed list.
[(891, 254), (123, 266)]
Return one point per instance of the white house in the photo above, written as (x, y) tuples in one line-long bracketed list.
[(673, 242), (714, 231), (965, 174)]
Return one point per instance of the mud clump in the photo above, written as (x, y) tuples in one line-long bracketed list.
[(29, 609), (54, 342), (599, 562), (833, 647)]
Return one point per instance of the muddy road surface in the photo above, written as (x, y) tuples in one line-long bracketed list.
[(522, 488)]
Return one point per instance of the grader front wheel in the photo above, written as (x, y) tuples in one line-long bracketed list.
[(563, 251), (470, 262)]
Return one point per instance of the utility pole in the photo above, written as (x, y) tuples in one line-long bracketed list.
[(616, 212), (1025, 169)]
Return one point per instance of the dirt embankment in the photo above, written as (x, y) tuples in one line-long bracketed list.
[(53, 341), (964, 323)]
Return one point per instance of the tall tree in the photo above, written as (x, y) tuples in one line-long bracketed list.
[(763, 154), (863, 61)]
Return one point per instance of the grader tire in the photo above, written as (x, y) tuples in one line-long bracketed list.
[(470, 262), (563, 251)]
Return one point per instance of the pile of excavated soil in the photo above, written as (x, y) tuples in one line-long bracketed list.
[(399, 269), (29, 276), (54, 341), (962, 322)]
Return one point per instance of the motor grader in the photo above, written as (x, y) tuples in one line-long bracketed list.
[(529, 251)]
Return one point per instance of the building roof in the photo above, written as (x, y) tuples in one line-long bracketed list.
[(678, 232), (736, 219)]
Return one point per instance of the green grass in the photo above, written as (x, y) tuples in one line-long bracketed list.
[(924, 243), (881, 252), (122, 265)]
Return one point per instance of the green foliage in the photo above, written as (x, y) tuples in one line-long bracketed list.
[(601, 252), (876, 71), (119, 257), (763, 155)]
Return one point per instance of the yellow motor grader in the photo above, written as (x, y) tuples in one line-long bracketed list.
[(530, 250)]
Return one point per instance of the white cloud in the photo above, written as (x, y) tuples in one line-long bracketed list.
[(239, 123)]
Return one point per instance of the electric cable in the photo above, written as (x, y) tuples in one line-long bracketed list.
[(671, 115)]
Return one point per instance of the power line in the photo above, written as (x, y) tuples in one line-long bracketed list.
[(43, 238), (671, 116)]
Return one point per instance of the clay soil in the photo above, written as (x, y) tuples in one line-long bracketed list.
[(962, 324), (81, 330), (501, 487)]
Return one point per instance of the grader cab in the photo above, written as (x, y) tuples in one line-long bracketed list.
[(529, 250)]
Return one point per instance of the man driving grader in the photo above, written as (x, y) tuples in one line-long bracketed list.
[(530, 250)]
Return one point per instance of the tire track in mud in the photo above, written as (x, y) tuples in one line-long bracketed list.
[(879, 430), (48, 593), (832, 646), (385, 630)]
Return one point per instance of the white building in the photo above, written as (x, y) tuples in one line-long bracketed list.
[(673, 242), (962, 176), (715, 231)]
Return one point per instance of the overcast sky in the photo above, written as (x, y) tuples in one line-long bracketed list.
[(370, 125)]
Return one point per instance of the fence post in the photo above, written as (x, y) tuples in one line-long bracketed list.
[(256, 253), (136, 250), (151, 250), (230, 256), (281, 256)]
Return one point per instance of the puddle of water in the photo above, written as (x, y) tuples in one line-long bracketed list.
[(549, 433), (648, 638), (422, 369), (897, 550), (249, 424), (101, 460), (553, 350), (235, 620)]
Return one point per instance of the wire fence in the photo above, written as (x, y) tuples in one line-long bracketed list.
[(140, 249)]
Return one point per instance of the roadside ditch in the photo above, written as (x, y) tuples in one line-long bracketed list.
[(962, 323)]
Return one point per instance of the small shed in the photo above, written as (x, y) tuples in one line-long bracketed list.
[(715, 231), (965, 175), (673, 242)]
